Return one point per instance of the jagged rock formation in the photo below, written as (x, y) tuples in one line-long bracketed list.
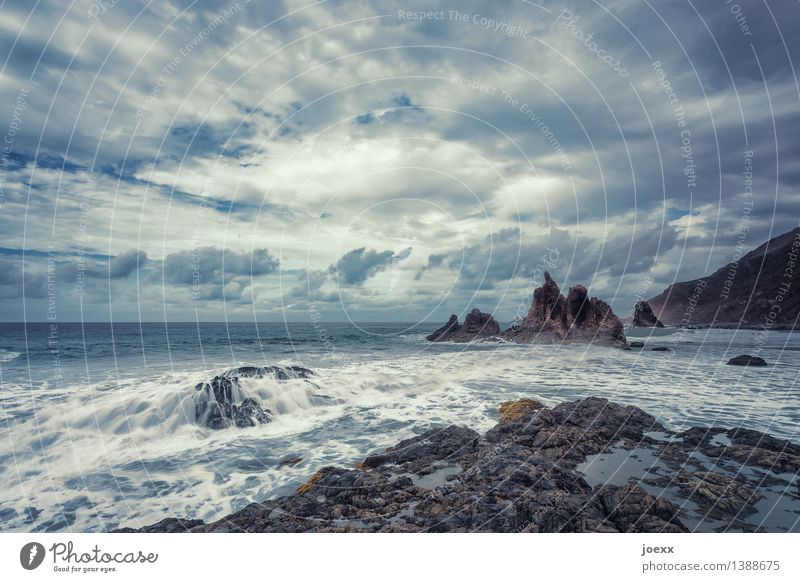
[(643, 316), (447, 330), (221, 402), (476, 325), (543, 470), (552, 318), (758, 290)]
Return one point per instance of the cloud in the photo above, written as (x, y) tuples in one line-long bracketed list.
[(358, 265), (119, 266), (212, 265), (319, 129)]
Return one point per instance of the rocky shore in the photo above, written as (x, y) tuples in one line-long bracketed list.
[(585, 466)]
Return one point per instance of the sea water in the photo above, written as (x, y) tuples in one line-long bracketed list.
[(97, 426)]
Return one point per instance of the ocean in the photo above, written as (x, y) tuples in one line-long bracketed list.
[(97, 426)]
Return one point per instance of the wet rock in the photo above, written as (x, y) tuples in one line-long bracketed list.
[(278, 372), (219, 404), (717, 494), (636, 345), (477, 325), (746, 360), (745, 446), (522, 476), (290, 461), (643, 316), (222, 403), (661, 349), (631, 509), (166, 525)]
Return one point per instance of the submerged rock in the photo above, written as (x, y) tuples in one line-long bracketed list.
[(643, 315), (747, 361), (221, 402), (636, 345)]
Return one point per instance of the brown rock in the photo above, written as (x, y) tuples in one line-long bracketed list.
[(477, 325), (643, 316)]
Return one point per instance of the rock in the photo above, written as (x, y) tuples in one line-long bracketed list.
[(717, 494), (477, 325), (552, 318), (221, 402), (636, 345), (527, 475), (518, 409), (643, 316), (747, 361), (290, 461), (280, 373), (738, 295), (660, 349), (631, 510), (448, 329), (166, 525)]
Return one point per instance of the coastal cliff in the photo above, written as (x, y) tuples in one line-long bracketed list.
[(756, 290)]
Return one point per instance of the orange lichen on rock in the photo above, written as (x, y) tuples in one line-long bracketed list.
[(517, 409), (306, 487)]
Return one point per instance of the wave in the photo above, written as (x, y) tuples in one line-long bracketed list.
[(7, 356)]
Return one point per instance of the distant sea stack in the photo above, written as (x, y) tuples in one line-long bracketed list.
[(758, 290), (552, 318), (643, 316), (476, 325)]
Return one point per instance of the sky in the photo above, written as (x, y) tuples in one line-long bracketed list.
[(384, 161)]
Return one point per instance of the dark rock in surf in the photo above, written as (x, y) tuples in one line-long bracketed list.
[(643, 316), (636, 345), (290, 461), (448, 329), (477, 325), (278, 372), (660, 349), (221, 402), (220, 405), (747, 361)]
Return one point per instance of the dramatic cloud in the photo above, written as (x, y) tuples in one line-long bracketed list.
[(449, 154)]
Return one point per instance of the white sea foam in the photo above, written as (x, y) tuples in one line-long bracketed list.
[(7, 356)]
